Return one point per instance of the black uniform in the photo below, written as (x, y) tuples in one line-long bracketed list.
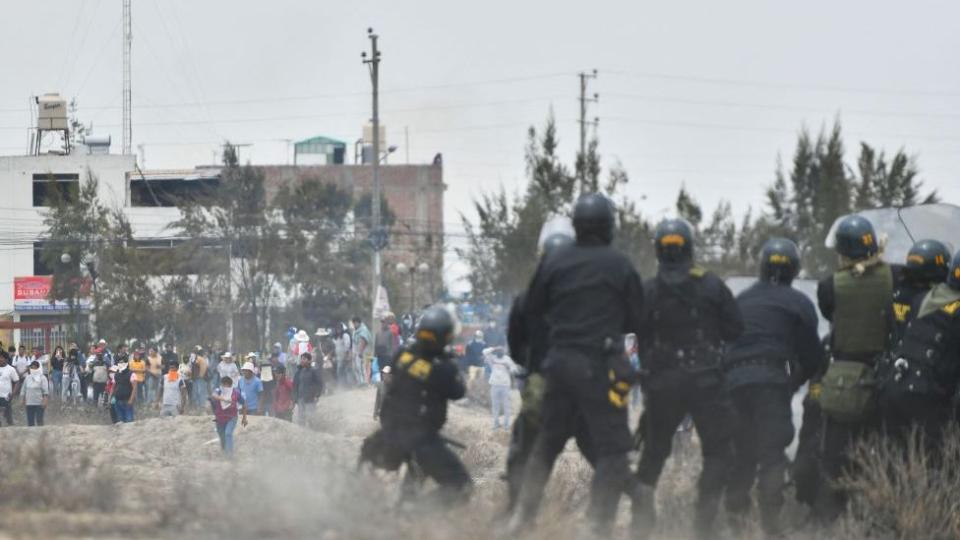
[(414, 410), (778, 351), (588, 295), (527, 340), (920, 388), (690, 313), (907, 292)]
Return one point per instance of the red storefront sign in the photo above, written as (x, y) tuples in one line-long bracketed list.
[(31, 293)]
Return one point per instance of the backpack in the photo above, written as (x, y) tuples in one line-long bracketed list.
[(848, 391)]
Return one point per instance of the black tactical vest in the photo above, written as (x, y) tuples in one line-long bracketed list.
[(686, 325), (926, 363), (409, 401)]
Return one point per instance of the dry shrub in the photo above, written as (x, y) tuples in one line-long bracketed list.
[(37, 476), (906, 492)]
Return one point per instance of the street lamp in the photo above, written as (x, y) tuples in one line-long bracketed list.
[(412, 270), (65, 260)]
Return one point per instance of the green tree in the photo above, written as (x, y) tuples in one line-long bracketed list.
[(76, 224), (323, 262), (502, 245), (125, 295), (894, 184), (239, 218)]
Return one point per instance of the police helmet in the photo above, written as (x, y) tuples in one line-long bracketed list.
[(435, 330), (855, 238), (555, 242), (779, 261), (593, 217), (674, 241), (929, 261), (953, 277)]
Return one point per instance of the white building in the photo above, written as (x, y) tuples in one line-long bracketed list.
[(147, 197)]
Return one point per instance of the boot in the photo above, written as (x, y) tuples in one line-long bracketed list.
[(643, 511)]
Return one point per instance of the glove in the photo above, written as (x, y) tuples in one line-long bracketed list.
[(619, 388), (814, 392)]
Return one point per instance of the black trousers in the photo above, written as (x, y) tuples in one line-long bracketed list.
[(430, 457), (764, 430), (839, 440), (7, 410), (714, 419), (805, 472), (526, 429), (576, 399)]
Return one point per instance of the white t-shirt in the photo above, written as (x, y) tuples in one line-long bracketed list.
[(229, 369), (8, 376), (171, 390), (22, 364), (500, 368)]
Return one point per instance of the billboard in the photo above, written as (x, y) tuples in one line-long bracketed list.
[(30, 294)]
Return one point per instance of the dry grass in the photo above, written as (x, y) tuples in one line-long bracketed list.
[(906, 493)]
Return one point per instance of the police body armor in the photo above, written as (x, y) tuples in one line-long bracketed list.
[(409, 402), (923, 366), (861, 319), (686, 326)]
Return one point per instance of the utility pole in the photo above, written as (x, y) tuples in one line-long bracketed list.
[(584, 100), (127, 93), (373, 61)]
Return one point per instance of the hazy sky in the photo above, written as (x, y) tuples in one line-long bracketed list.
[(703, 93)]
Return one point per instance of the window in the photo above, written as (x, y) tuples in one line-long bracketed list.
[(44, 185), (169, 191)]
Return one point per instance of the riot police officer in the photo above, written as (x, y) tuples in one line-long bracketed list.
[(414, 410), (689, 315), (527, 340), (589, 295), (926, 265), (919, 390), (858, 300), (778, 351)]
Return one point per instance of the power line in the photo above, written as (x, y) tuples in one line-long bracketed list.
[(781, 86)]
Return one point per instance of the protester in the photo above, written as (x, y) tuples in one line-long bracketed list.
[(502, 370), (36, 392), (124, 393), (307, 388), (362, 349), (9, 383), (169, 359), (100, 377), (343, 354), (227, 401), (282, 406), (138, 365), (72, 377), (21, 361), (57, 361), (154, 374), (251, 387), (186, 373), (228, 368), (198, 374), (173, 396)]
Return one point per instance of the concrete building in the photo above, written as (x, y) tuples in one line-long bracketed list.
[(24, 278), (413, 192)]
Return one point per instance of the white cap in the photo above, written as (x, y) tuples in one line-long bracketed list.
[(247, 366), (227, 355)]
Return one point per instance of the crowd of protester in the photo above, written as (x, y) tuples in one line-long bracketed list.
[(129, 381)]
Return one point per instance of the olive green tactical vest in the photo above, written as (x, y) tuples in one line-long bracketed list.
[(861, 318)]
